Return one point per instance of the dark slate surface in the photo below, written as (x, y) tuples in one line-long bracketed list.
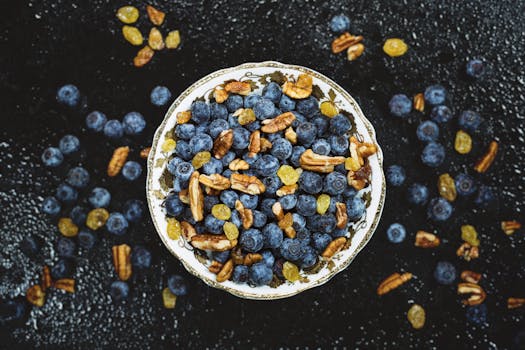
[(47, 43)]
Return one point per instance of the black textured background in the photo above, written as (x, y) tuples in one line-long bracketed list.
[(47, 43)]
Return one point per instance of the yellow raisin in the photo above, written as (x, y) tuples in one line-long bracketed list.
[(288, 175), (447, 187), (67, 227), (221, 211), (323, 202), (168, 298), (168, 145), (97, 218), (173, 39), (395, 47), (200, 159), (290, 271), (469, 235), (230, 230), (174, 228), (132, 35), (416, 316), (155, 40), (463, 142), (247, 116), (329, 109), (352, 164), (128, 14)]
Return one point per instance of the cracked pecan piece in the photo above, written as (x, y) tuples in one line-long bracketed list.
[(392, 282), (222, 143), (247, 184), (333, 247), (215, 267), (281, 122), (217, 243), (255, 143), (476, 294), (245, 214), (238, 164), (265, 144), (252, 258), (220, 95), (196, 197), (340, 215), (291, 135), (514, 303), (300, 89), (120, 155), (344, 41), (287, 189), (426, 240), (66, 284), (122, 261), (215, 181), (470, 276), (225, 272), (486, 161), (238, 87), (188, 231), (35, 295), (319, 163)]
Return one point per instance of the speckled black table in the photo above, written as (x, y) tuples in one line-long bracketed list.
[(45, 44)]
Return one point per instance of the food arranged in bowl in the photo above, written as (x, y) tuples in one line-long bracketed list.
[(264, 181)]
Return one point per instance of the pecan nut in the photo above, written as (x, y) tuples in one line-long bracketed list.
[(238, 87), (509, 227), (247, 184), (46, 278), (514, 303), (291, 135), (220, 95), (392, 282), (486, 161), (470, 276), (355, 51), (120, 155), (344, 41), (426, 240), (183, 117), (477, 294), (66, 284), (252, 258), (286, 190), (419, 102), (245, 214), (277, 210), (215, 267), (184, 196), (319, 163), (122, 261), (265, 144), (217, 243), (340, 215), (286, 221), (226, 271), (467, 251), (222, 143), (215, 181), (278, 123), (290, 232), (300, 89), (255, 143), (196, 197), (188, 231), (238, 164), (333, 247), (35, 295), (144, 153)]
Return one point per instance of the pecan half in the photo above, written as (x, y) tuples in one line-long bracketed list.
[(67, 284), (419, 102), (477, 294), (245, 214), (184, 196), (143, 56), (467, 252), (344, 41), (155, 16), (281, 122), (255, 143), (238, 164), (220, 95), (286, 221), (252, 258), (225, 272), (46, 278), (486, 161), (222, 143), (509, 227), (122, 261), (183, 117), (265, 144), (247, 184), (470, 276), (277, 210), (35, 295), (340, 215), (319, 163), (215, 267), (290, 232), (514, 303), (354, 51), (217, 243), (291, 135), (120, 155), (392, 282), (188, 231), (144, 153), (302, 88), (286, 189), (426, 240), (333, 247), (215, 181), (196, 197), (238, 87)]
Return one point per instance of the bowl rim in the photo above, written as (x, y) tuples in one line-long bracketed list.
[(300, 287)]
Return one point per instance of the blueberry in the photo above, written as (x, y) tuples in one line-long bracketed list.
[(160, 95), (233, 121), (29, 246), (320, 241), (400, 105), (264, 109), (469, 120), (185, 131), (334, 183), (255, 125), (233, 103), (311, 182), (66, 193), (131, 170), (140, 257), (297, 151), (227, 158), (266, 206), (299, 221), (251, 100), (321, 223), (477, 314), (229, 197), (267, 165), (78, 177), (274, 136), (396, 233), (307, 106), (355, 208), (78, 214), (69, 144), (292, 249), (86, 239), (240, 274), (251, 240), (11, 310), (306, 205), (395, 175), (441, 114), (349, 192), (485, 196), (119, 291), (309, 258), (95, 121), (321, 146), (113, 129), (340, 124), (214, 166), (62, 268), (433, 154), (465, 184), (339, 145), (339, 232), (173, 205), (210, 202), (68, 95), (475, 68), (339, 24), (117, 224), (184, 170), (445, 273), (272, 92), (183, 150), (241, 138), (260, 274), (251, 160), (133, 123), (217, 126), (299, 118), (439, 209), (268, 258), (259, 218), (427, 131), (227, 173), (51, 206), (288, 202), (201, 142), (200, 112), (236, 219), (99, 197), (218, 111), (322, 123), (286, 104), (172, 164), (52, 157), (65, 247), (202, 128), (133, 210), (177, 285), (221, 257), (213, 225), (281, 149), (417, 194), (435, 95), (249, 201), (272, 235)]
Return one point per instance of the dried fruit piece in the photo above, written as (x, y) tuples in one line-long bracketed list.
[(132, 35), (200, 159), (288, 175), (218, 243), (355, 51), (188, 231), (323, 202), (220, 95), (120, 155), (174, 228), (168, 298), (426, 240), (238, 87), (245, 116), (333, 247), (509, 227), (221, 211), (35, 295), (392, 282), (486, 161), (352, 164), (291, 135), (173, 39), (96, 218), (155, 16), (168, 145), (514, 303), (226, 271), (67, 227), (183, 117), (419, 102), (196, 197), (143, 56), (470, 276), (278, 123), (230, 230), (65, 284), (467, 251), (286, 221), (447, 187), (341, 215), (285, 190), (145, 152), (470, 235), (128, 14), (238, 164), (247, 184), (344, 41), (416, 316), (215, 181), (302, 88), (395, 47), (477, 294), (329, 109), (122, 261), (291, 271), (155, 40), (222, 143), (463, 142)]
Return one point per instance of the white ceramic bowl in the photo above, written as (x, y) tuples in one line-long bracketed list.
[(364, 229)]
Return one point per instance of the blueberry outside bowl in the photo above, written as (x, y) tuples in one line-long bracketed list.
[(157, 189)]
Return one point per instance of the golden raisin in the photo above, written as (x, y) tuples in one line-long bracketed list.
[(329, 109), (132, 35), (97, 218), (290, 271), (168, 145), (416, 316), (230, 230), (463, 142), (173, 39), (67, 227), (447, 187), (200, 159), (323, 202), (247, 116), (395, 47), (352, 164), (288, 175), (168, 298), (155, 40), (174, 229), (221, 211), (128, 14), (470, 235)]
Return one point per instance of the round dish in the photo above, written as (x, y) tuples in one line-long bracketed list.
[(156, 189)]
